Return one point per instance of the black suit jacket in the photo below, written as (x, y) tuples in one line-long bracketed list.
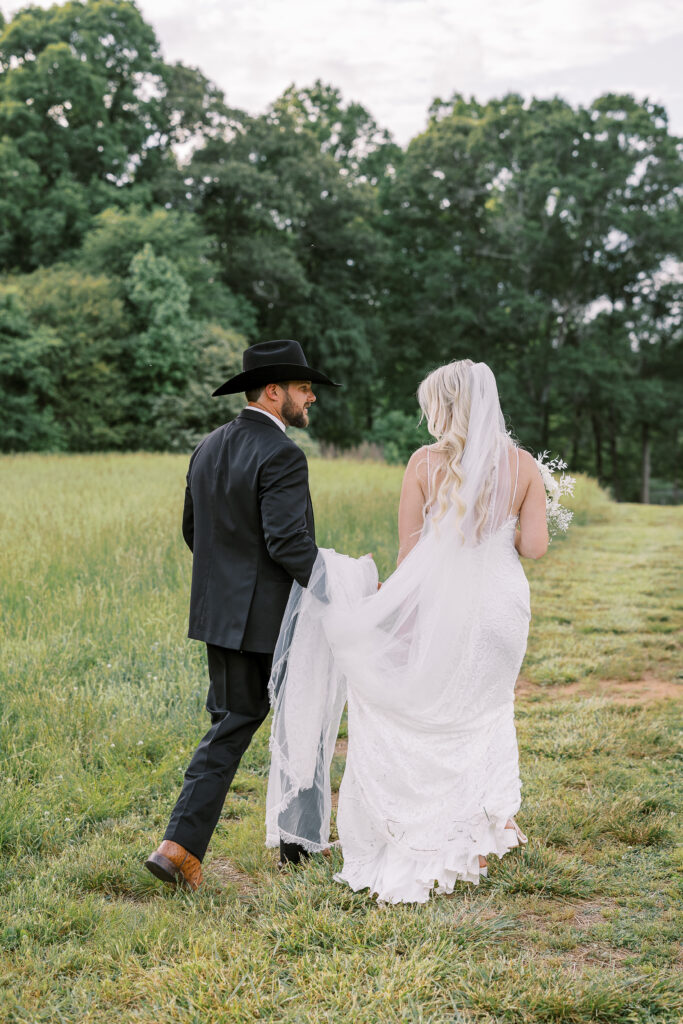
[(248, 521)]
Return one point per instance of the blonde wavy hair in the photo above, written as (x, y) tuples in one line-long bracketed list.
[(445, 400)]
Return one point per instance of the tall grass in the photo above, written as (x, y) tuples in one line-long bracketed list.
[(101, 705)]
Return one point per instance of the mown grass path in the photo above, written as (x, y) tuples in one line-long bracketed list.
[(101, 704)]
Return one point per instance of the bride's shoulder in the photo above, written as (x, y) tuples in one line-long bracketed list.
[(527, 470), (527, 463), (419, 460), (420, 469), (415, 485), (421, 454)]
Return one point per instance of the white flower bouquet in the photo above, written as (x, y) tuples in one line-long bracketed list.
[(557, 516)]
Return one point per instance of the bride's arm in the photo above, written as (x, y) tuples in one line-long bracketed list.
[(531, 538), (411, 505)]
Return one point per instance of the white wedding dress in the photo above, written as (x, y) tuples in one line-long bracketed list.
[(428, 665)]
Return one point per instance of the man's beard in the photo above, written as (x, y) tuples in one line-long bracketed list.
[(292, 416)]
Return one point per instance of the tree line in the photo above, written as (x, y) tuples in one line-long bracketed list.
[(149, 232)]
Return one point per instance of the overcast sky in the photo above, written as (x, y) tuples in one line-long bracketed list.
[(395, 56)]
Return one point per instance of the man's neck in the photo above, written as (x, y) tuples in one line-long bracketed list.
[(263, 408)]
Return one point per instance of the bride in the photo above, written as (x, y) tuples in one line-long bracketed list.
[(427, 664)]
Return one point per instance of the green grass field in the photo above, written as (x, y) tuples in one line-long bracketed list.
[(101, 705)]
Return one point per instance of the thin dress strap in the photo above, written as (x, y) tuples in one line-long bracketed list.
[(429, 486)]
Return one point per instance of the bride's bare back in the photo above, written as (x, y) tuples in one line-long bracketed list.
[(421, 481)]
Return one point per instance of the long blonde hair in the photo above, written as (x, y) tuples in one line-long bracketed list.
[(445, 400)]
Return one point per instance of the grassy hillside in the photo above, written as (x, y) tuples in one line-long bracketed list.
[(101, 705)]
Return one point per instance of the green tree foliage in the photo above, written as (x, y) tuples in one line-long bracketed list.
[(525, 233), (173, 360), (27, 385), (399, 434), (294, 215), (181, 419), (148, 232), (161, 353), (88, 116), (78, 326), (347, 132), (116, 236), (97, 362)]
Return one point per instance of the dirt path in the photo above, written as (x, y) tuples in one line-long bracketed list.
[(647, 690), (225, 871)]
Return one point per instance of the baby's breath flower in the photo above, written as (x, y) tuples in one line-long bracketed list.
[(557, 516)]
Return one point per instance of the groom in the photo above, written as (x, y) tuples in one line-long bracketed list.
[(248, 521)]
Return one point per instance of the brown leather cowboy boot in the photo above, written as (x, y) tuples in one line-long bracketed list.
[(173, 863)]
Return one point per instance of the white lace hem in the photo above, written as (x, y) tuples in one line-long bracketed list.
[(273, 842), (395, 876)]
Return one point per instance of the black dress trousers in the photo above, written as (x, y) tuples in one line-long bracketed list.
[(238, 703)]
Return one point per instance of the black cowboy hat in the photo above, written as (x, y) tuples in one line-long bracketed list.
[(270, 362)]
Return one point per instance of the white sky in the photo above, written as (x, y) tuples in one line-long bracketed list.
[(395, 56)]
